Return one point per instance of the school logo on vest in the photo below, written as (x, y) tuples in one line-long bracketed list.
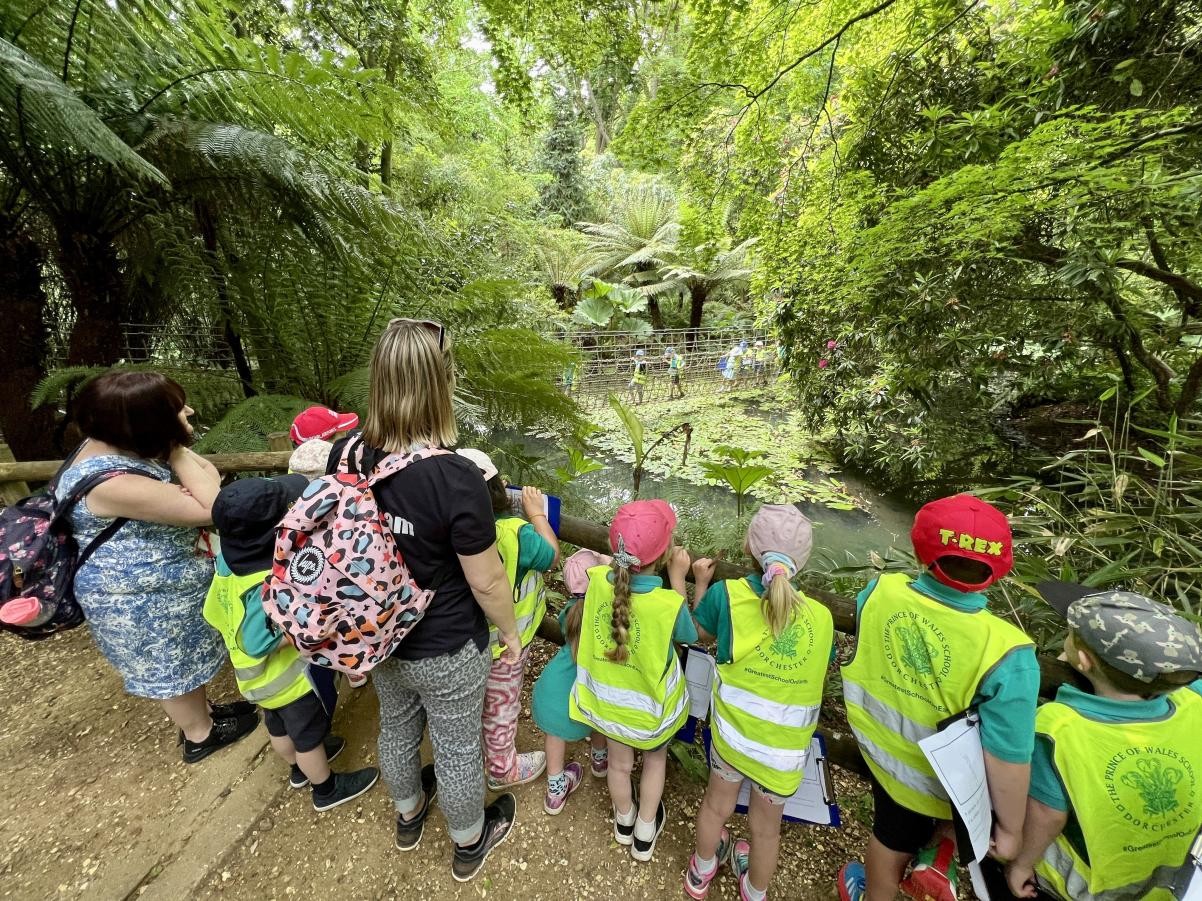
[(788, 650), (306, 565), (1153, 787), (916, 648), (603, 629)]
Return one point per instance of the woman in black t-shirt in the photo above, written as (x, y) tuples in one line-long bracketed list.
[(439, 511)]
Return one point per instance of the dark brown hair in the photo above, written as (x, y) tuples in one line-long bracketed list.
[(135, 411), (499, 496)]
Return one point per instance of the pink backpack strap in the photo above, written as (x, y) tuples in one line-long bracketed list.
[(394, 463)]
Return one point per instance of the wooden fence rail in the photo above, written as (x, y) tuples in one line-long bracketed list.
[(842, 749)]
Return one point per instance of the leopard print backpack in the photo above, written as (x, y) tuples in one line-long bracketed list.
[(339, 588)]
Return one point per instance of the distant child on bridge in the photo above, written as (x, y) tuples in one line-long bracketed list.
[(297, 700), (630, 685), (675, 367), (1116, 781), (927, 649), (638, 378), (528, 548), (762, 721)]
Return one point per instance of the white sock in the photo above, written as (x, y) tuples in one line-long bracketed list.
[(644, 832), (705, 865), (751, 892), (627, 818)]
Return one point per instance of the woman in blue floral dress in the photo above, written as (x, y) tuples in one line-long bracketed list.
[(143, 590)]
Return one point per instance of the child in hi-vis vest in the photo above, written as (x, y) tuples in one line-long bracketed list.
[(278, 679), (528, 548), (773, 649), (1116, 780), (549, 700), (927, 649), (630, 685)]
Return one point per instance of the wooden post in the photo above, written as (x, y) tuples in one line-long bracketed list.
[(279, 441), (11, 492)]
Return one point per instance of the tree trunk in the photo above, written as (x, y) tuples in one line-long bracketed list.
[(96, 284), (697, 298), (207, 223), (28, 432), (656, 314)]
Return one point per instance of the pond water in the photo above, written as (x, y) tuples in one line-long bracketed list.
[(839, 535)]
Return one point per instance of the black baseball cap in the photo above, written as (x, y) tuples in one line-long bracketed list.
[(246, 513)]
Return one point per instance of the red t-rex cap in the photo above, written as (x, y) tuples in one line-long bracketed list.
[(963, 526)]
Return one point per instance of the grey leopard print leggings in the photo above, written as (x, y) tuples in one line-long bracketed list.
[(447, 692)]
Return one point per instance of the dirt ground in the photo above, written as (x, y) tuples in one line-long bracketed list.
[(97, 804)]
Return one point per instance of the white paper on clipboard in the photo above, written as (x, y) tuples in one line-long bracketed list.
[(956, 755), (699, 670), (813, 802)]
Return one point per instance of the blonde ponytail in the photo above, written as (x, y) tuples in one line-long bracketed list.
[(779, 604), (620, 622)]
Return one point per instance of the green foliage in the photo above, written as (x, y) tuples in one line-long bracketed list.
[(210, 394), (632, 426), (577, 465), (245, 426), (563, 196), (734, 467)]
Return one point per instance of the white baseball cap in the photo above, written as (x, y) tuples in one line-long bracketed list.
[(483, 462)]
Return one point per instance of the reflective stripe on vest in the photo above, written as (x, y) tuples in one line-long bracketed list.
[(279, 682), (766, 700), (272, 681), (1141, 786), (530, 597), (917, 663), (642, 701)]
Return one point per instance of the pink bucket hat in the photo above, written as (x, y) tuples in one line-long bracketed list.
[(641, 532), (781, 534)]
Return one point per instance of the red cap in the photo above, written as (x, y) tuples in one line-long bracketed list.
[(644, 529), (963, 526), (320, 422)]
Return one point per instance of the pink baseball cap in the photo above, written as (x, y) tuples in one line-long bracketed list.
[(644, 529), (320, 422)]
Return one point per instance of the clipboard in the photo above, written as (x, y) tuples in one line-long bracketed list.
[(814, 801), (1188, 884), (956, 755), (552, 506), (699, 670)]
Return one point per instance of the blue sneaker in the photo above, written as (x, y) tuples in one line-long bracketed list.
[(853, 882)]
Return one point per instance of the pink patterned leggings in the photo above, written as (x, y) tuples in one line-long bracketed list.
[(502, 703)]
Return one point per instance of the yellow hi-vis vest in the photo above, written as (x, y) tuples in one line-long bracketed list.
[(529, 594), (272, 681), (641, 702), (1136, 788), (917, 663), (767, 699)]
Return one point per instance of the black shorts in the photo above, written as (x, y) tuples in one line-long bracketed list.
[(305, 721), (899, 828)]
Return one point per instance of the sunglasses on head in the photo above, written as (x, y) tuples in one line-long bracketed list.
[(430, 324)]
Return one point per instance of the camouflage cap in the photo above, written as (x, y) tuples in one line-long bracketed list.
[(1134, 634)]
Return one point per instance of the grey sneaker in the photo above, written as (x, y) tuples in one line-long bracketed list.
[(409, 832), (499, 817)]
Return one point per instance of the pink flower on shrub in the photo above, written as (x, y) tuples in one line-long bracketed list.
[(823, 363), (831, 345)]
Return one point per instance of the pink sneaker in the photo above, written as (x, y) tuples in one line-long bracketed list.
[(554, 803), (530, 766), (696, 885), (600, 763)]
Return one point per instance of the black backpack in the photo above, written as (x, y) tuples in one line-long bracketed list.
[(39, 556)]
